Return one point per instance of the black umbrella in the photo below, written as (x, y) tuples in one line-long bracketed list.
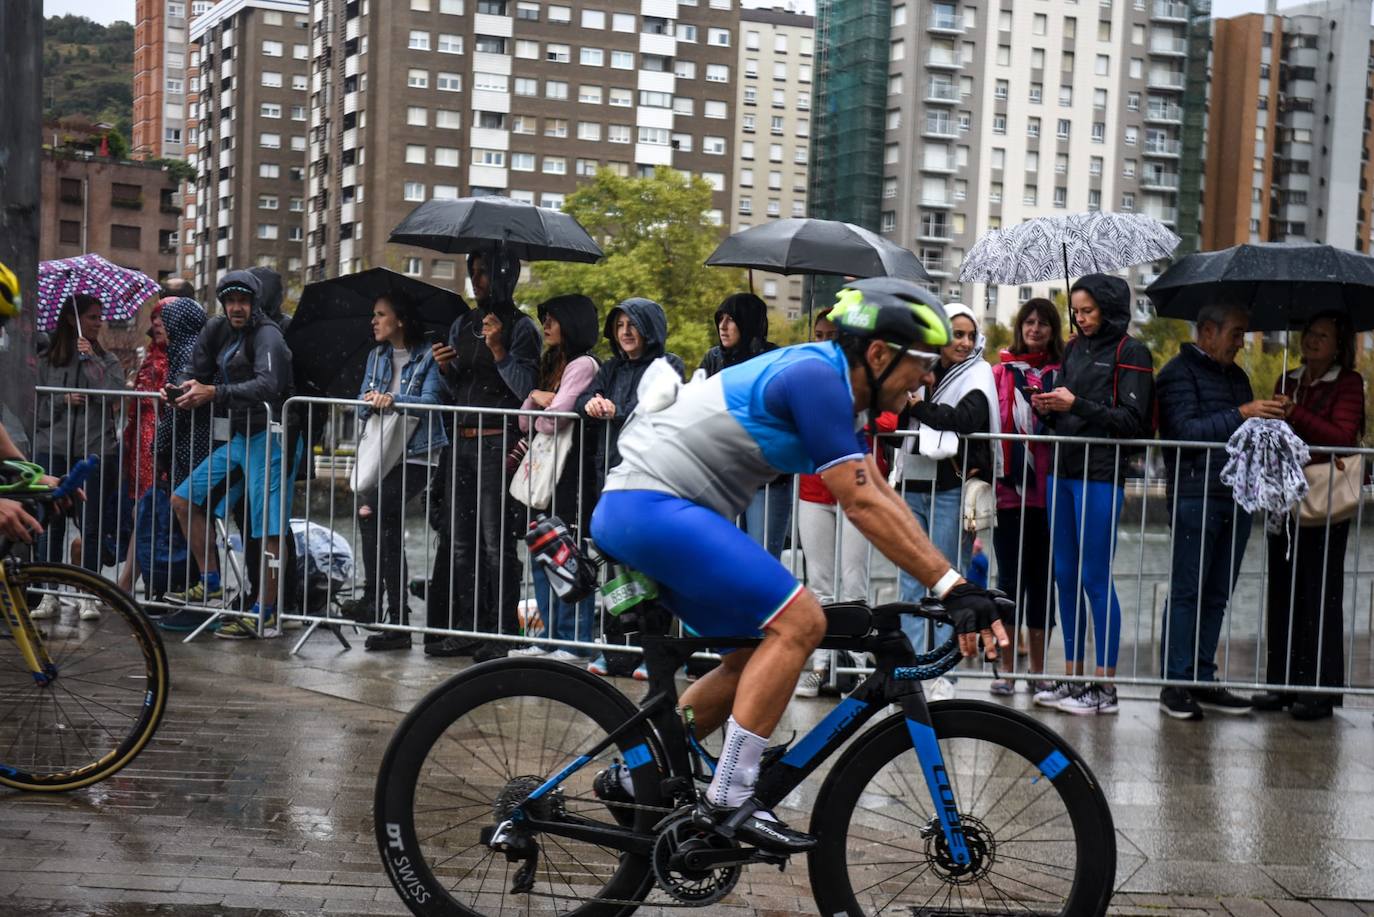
[(1283, 284), (807, 246), (331, 332), (474, 224)]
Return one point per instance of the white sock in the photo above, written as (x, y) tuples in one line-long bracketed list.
[(626, 779), (737, 769)]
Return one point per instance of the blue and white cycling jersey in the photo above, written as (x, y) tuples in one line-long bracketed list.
[(787, 411)]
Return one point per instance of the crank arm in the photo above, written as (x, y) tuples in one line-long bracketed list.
[(702, 860)]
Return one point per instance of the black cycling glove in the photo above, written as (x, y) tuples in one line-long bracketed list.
[(970, 608)]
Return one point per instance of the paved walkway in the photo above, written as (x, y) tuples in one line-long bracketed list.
[(256, 799)]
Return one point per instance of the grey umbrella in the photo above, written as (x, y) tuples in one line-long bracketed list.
[(473, 224), (1045, 248), (808, 246)]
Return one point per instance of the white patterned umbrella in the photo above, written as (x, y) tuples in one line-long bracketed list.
[(1067, 246)]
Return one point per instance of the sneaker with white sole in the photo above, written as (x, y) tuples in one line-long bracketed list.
[(598, 666), (940, 689), (526, 652), (88, 610), (50, 607), (1056, 691), (1090, 700), (562, 655), (641, 672), (196, 594), (808, 685)]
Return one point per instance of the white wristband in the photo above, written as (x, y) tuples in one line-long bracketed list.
[(945, 583)]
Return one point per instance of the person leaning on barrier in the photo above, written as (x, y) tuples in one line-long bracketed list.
[(242, 367), (1203, 397), (1324, 402), (1021, 539), (491, 360), (400, 371), (1104, 390), (70, 427)]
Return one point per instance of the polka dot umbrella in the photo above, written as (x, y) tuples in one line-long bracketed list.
[(121, 290)]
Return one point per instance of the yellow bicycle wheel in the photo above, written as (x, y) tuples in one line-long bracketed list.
[(101, 701)]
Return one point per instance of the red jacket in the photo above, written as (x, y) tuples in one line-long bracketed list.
[(813, 490), (1328, 412)]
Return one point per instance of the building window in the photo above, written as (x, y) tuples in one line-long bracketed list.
[(684, 69), (527, 11), (269, 170), (413, 267), (414, 191), (1128, 201), (69, 232), (489, 44), (417, 116), (270, 110), (442, 269), (526, 87), (489, 157), (555, 89), (269, 141), (713, 146), (522, 162), (419, 41), (451, 82), (622, 60), (1095, 166), (417, 79), (267, 230), (593, 19), (586, 167), (654, 136), (555, 165), (999, 124), (1061, 130), (415, 154), (555, 127), (558, 54), (591, 57), (717, 73), (618, 133), (450, 44), (491, 82), (271, 79), (448, 120), (718, 37), (551, 200), (297, 112), (271, 49), (1099, 133), (445, 192), (620, 98)]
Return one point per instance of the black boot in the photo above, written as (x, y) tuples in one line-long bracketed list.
[(388, 640), (1271, 701)]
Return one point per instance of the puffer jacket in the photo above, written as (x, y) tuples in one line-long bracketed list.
[(421, 383), (1199, 400), (751, 316), (618, 378), (64, 432), (1113, 398), (249, 368)]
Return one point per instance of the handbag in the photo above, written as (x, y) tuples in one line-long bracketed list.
[(979, 504), (1333, 485), (538, 472), (379, 449)]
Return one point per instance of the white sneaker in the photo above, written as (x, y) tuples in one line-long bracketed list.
[(562, 655), (529, 652), (1056, 692), (88, 610), (50, 607), (1090, 700), (808, 685), (940, 689)]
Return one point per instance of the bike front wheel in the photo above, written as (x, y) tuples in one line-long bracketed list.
[(103, 698), (1036, 824)]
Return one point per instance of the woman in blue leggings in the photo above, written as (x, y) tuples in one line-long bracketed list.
[(1104, 391)]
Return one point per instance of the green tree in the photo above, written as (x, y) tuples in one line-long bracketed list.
[(998, 339), (656, 236), (1164, 336)]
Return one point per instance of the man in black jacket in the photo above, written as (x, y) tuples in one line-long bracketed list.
[(1204, 397), (491, 360), (242, 366)]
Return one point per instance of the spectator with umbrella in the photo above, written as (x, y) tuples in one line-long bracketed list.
[(400, 371), (1105, 390), (71, 426)]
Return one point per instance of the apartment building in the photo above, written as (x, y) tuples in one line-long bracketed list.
[(1289, 127), (998, 112), (249, 139), (163, 83), (415, 100), (773, 132)]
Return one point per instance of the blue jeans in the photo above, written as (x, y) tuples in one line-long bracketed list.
[(769, 515), (1209, 536), (1083, 518), (941, 515), (561, 620)]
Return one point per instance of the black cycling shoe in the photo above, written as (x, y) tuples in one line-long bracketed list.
[(609, 787), (744, 824)]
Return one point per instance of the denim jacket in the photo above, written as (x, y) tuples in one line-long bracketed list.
[(421, 383)]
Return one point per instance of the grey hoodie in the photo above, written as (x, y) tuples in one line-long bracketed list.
[(249, 368)]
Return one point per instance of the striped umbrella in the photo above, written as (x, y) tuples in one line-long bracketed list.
[(1045, 248), (120, 289)]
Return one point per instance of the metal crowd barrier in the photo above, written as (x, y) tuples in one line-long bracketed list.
[(456, 497)]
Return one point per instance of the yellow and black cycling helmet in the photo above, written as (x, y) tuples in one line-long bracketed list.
[(9, 293), (893, 310)]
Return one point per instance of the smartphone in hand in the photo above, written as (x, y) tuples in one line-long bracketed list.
[(172, 392)]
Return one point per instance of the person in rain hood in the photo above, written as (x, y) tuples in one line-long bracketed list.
[(637, 330), (490, 360), (958, 398), (242, 367), (1105, 389), (566, 370)]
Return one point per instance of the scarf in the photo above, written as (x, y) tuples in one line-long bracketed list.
[(140, 432)]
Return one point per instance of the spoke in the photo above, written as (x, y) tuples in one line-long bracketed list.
[(1052, 895), (904, 888), (466, 821), (899, 872)]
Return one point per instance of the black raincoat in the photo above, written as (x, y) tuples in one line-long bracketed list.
[(751, 316)]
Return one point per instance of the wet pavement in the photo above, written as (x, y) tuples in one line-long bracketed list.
[(256, 799)]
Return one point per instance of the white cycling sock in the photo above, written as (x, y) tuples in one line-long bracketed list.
[(626, 779), (737, 769)]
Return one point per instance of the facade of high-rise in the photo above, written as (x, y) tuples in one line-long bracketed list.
[(161, 91), (249, 140), (772, 123), (1289, 133), (996, 113), (415, 100)]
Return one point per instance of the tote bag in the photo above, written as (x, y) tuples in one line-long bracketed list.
[(383, 443), (1333, 485), (538, 472)]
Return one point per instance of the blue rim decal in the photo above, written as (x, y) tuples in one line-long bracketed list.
[(1053, 765), (638, 756)]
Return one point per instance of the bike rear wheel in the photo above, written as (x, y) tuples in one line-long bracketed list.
[(478, 744), (105, 698), (1035, 821)]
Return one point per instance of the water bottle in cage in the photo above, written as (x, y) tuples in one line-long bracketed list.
[(551, 545)]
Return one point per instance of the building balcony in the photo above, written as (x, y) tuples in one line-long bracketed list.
[(1159, 181), (1163, 148), (1165, 11), (937, 203), (1165, 80), (939, 93), (1164, 214), (1165, 114), (1169, 47), (940, 130), (936, 267), (937, 233), (1145, 280), (945, 25), (943, 60), (939, 167)]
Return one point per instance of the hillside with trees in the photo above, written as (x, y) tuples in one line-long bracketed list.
[(88, 70)]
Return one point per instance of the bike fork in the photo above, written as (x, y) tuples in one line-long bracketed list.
[(927, 748)]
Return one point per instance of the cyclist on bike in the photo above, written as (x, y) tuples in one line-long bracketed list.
[(690, 469)]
